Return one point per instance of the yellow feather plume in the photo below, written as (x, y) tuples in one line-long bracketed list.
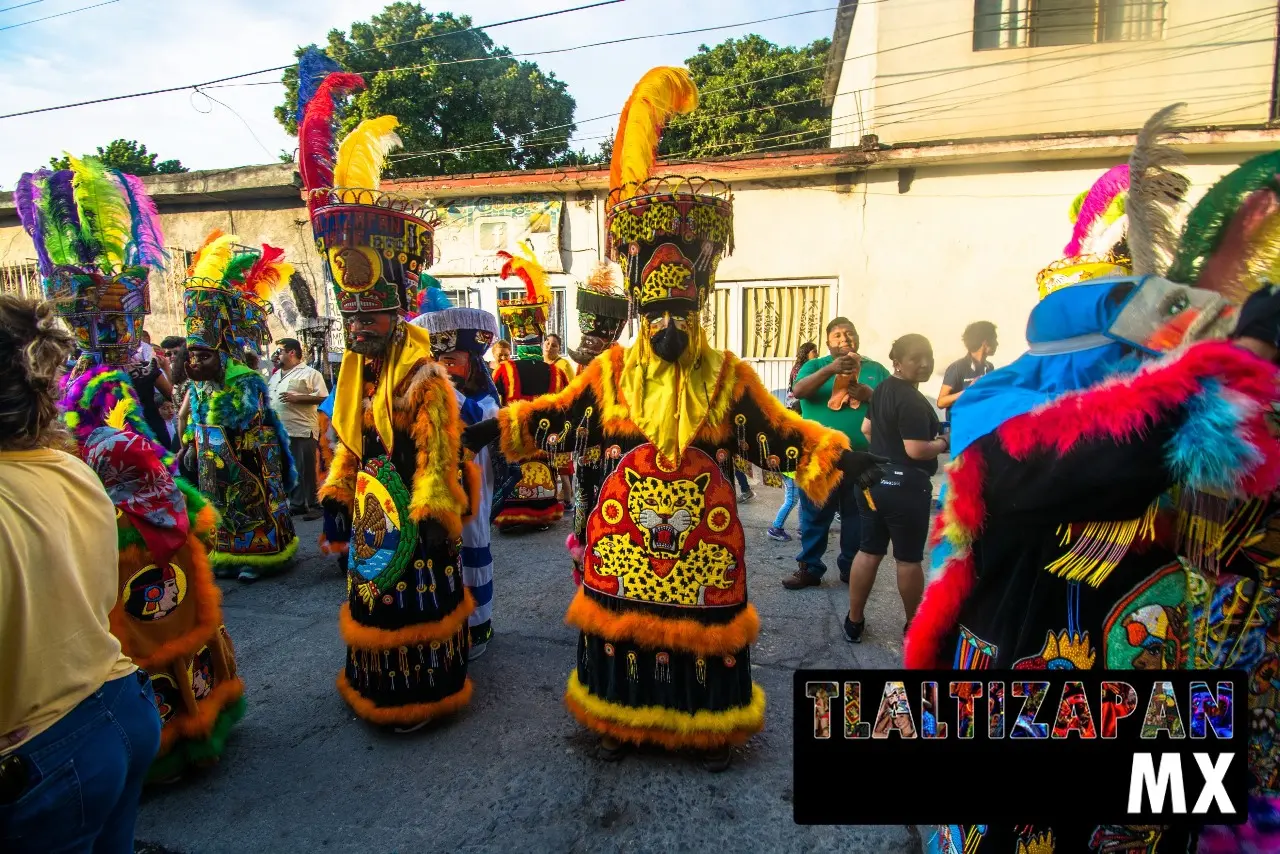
[(119, 414), (1262, 262), (526, 267), (662, 93), (363, 153), (212, 259)]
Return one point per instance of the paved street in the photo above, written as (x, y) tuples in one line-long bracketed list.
[(514, 771)]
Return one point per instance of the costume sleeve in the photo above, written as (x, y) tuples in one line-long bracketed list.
[(340, 485), (439, 493), (529, 426), (1198, 419), (237, 405), (779, 440)]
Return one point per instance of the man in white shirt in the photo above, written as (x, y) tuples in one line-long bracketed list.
[(296, 390)]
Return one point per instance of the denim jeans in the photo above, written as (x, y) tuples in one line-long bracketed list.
[(815, 523), (788, 502), (744, 486), (86, 774)]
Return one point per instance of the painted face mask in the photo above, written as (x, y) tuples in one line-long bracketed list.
[(669, 343), (1160, 316)]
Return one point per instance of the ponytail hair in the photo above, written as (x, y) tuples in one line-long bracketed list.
[(34, 346)]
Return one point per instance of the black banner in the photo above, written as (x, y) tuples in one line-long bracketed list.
[(1025, 747)]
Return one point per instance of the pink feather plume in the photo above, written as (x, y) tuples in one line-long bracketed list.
[(1113, 182), (316, 145)]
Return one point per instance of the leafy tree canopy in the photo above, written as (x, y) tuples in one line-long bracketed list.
[(451, 89), (128, 156), (762, 110)]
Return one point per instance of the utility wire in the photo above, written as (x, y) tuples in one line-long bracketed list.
[(51, 17), (208, 83), (21, 5)]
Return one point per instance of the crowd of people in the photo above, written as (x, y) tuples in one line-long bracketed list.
[(1148, 394)]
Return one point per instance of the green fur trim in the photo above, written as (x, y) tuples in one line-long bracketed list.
[(267, 564), (127, 535), (186, 753)]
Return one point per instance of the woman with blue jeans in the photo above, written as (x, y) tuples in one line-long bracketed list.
[(778, 531), (78, 723)]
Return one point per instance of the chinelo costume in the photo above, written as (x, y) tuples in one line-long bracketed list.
[(241, 449), (396, 472), (167, 617), (531, 501), (1071, 463), (460, 336), (603, 309), (666, 626)]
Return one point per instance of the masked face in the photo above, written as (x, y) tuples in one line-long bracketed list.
[(203, 365), (458, 364), (369, 332), (668, 335)]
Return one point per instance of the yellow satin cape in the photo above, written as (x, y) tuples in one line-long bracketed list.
[(348, 403), (669, 401)]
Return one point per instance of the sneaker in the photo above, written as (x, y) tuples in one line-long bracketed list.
[(844, 576), (747, 497), (779, 535), (852, 630), (835, 520), (801, 578), (477, 650), (313, 514), (248, 576), (717, 761)]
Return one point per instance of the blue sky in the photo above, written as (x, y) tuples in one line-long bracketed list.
[(136, 45)]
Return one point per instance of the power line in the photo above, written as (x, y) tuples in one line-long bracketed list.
[(20, 5), (51, 17), (208, 83)]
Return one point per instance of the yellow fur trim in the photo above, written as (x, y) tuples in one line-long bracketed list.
[(438, 492), (340, 485), (654, 724)]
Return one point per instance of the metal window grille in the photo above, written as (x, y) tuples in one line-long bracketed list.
[(1041, 23), (20, 278)]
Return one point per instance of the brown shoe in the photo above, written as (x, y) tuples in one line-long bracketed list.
[(800, 579)]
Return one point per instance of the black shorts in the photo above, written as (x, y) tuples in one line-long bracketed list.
[(903, 499)]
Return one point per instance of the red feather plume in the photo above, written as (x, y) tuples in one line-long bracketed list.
[(316, 146)]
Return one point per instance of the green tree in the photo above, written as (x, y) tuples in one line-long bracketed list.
[(452, 89), (129, 156), (762, 110)]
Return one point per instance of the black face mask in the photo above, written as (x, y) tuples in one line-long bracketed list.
[(669, 343)]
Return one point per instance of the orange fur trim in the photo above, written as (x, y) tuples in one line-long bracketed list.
[(687, 635), (407, 715), (367, 637), (198, 726), (331, 548), (471, 482), (340, 485), (208, 607), (515, 419), (670, 739), (524, 516), (436, 429)]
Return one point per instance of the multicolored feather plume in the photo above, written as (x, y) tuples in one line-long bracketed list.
[(25, 199), (1224, 271), (526, 268), (1155, 190), (213, 257), (363, 153), (316, 133), (146, 248), (104, 211), (268, 274), (54, 223), (208, 241), (1208, 219), (1096, 206), (661, 93), (313, 66)]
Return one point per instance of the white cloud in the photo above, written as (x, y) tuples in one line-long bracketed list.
[(138, 45)]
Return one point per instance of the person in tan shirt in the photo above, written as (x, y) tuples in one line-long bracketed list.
[(78, 723), (297, 390)]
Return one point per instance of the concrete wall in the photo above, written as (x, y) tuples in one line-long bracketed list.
[(928, 82)]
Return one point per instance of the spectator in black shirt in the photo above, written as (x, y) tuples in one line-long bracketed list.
[(980, 342), (903, 428)]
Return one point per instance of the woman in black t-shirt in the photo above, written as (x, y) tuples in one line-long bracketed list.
[(903, 428)]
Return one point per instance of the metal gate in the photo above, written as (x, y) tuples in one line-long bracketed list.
[(765, 322)]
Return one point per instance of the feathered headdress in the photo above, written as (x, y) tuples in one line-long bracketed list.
[(1155, 191), (316, 153), (662, 93), (363, 154), (526, 268), (1095, 211), (313, 67)]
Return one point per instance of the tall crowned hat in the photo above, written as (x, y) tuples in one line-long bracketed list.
[(228, 293), (602, 311), (453, 327), (374, 244), (525, 317), (667, 233), (97, 236)]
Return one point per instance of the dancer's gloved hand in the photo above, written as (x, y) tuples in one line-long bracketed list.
[(187, 463), (480, 434), (862, 467)]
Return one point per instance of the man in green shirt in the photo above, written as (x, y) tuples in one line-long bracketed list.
[(833, 390)]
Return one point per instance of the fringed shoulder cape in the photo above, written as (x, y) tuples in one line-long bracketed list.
[(405, 619), (666, 626), (1059, 552)]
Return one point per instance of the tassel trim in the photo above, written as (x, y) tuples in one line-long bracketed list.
[(686, 635), (1100, 546), (266, 563), (359, 636), (407, 715), (704, 730), (200, 725), (208, 610)]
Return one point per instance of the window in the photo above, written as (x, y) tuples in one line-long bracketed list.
[(21, 279), (1043, 23)]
